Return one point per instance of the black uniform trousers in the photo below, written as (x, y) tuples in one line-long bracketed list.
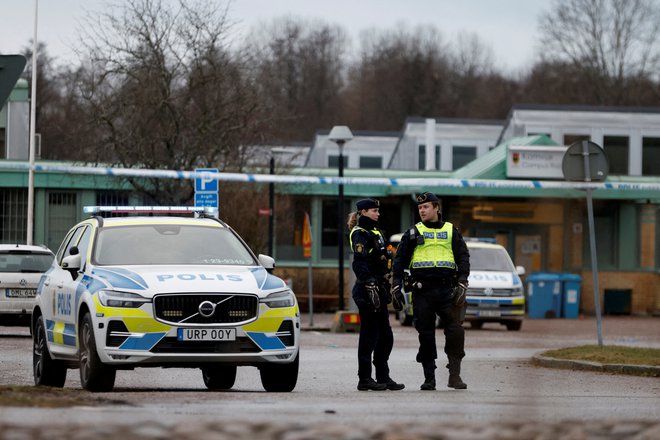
[(375, 337), (427, 303)]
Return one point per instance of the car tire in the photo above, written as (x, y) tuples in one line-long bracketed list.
[(513, 325), (94, 375), (47, 372), (219, 377), (476, 324), (404, 318), (279, 377)]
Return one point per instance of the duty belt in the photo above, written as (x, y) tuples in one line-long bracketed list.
[(429, 284)]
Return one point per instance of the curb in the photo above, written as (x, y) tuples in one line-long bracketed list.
[(636, 370)]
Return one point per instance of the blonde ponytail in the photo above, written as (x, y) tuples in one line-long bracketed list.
[(352, 219)]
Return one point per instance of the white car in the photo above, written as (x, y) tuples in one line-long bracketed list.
[(21, 268), (162, 291), (495, 291)]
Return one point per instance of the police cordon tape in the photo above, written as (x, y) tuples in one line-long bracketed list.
[(320, 180)]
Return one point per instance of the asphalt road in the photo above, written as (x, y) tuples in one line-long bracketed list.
[(503, 387)]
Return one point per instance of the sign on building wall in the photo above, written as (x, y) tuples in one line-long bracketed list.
[(535, 162)]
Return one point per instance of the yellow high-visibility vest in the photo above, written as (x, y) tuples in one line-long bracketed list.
[(436, 250)]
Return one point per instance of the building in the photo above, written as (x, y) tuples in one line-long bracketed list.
[(544, 227)]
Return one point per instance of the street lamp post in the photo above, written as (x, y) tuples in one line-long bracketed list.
[(340, 134)]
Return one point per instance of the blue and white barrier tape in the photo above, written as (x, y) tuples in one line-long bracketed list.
[(317, 180)]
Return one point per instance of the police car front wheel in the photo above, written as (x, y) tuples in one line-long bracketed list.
[(94, 375), (279, 377)]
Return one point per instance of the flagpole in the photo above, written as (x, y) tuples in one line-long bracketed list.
[(33, 110)]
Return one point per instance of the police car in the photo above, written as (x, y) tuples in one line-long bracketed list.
[(162, 291), (495, 291)]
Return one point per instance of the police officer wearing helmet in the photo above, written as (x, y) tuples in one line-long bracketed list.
[(439, 263), (372, 263)]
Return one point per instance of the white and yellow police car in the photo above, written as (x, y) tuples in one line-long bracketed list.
[(162, 291)]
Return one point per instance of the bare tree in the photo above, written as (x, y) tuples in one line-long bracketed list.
[(399, 74), (298, 69), (163, 91), (614, 44)]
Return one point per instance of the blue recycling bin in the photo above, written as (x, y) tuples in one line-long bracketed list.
[(571, 284), (544, 295)]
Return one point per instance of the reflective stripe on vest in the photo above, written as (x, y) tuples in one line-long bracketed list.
[(436, 250), (373, 231)]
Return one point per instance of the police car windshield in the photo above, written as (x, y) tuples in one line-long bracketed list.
[(169, 244), (490, 259)]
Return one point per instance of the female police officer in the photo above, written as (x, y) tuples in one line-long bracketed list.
[(371, 263)]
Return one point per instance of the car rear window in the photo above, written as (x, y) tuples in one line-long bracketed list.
[(169, 244), (24, 261), (490, 259)]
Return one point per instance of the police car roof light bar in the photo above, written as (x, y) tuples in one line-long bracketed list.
[(203, 210)]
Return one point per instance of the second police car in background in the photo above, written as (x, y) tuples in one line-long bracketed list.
[(495, 291), (162, 291)]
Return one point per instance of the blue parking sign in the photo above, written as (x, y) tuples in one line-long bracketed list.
[(206, 199), (206, 183)]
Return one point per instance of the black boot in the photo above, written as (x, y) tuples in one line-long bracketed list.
[(455, 380), (429, 377), (370, 384), (392, 385)]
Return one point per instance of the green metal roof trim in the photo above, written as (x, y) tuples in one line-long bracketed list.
[(19, 178), (492, 165)]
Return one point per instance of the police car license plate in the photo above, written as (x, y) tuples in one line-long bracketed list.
[(21, 293), (206, 334), (489, 313)]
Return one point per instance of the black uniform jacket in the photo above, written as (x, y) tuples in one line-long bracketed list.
[(406, 248), (369, 253)]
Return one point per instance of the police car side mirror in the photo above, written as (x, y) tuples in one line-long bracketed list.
[(267, 262), (520, 270), (71, 262)]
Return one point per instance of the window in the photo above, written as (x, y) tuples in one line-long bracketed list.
[(570, 139), (606, 222), (3, 151), (329, 222), (463, 156), (421, 163), (616, 150), (333, 161), (289, 228), (651, 156), (13, 215), (374, 162)]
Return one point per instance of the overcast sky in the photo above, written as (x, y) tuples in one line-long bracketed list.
[(508, 26)]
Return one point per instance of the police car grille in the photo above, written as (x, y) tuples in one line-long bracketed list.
[(495, 292), (184, 308)]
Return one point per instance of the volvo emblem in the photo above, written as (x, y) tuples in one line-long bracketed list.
[(206, 309), (488, 291), (23, 282)]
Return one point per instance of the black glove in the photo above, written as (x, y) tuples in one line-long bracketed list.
[(459, 293), (398, 300), (372, 291)]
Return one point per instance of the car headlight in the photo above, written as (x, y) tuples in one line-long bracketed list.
[(111, 298), (280, 299), (517, 291)]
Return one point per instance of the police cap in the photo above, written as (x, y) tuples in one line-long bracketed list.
[(426, 197), (367, 204)]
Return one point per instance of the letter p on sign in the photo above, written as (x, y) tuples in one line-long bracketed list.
[(206, 183)]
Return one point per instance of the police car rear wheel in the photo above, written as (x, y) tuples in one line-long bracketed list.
[(94, 376), (219, 377), (47, 372), (513, 325), (404, 318), (279, 377)]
